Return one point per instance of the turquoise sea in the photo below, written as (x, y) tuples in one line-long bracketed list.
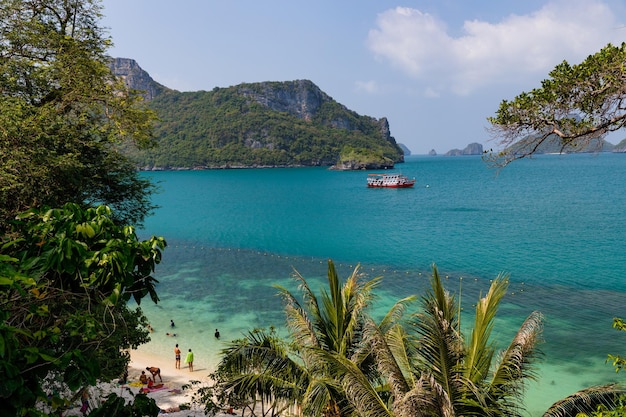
[(554, 223)]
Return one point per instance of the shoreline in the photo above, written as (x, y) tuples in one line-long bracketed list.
[(173, 379), (169, 397)]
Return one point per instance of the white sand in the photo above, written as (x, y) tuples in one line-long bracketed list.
[(173, 379)]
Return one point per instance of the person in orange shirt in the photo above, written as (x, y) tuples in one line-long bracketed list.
[(177, 354)]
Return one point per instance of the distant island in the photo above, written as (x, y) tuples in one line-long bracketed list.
[(266, 124), (550, 146), (471, 149)]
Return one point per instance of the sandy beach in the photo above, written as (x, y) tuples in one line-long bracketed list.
[(171, 395)]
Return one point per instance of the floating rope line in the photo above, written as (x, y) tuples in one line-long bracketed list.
[(387, 272)]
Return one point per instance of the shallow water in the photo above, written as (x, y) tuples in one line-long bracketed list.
[(553, 223)]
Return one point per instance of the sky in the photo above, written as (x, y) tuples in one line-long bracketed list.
[(436, 69)]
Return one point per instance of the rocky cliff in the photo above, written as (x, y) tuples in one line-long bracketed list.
[(136, 78), (304, 100), (291, 123)]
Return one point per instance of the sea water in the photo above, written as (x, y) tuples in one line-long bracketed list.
[(554, 224)]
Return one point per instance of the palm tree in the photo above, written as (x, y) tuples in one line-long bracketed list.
[(260, 366), (257, 374), (430, 369)]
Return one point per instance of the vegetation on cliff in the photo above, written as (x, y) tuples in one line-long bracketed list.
[(260, 124)]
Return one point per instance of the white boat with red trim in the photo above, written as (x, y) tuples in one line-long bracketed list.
[(393, 180)]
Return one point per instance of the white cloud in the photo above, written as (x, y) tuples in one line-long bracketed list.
[(514, 49), (369, 87)]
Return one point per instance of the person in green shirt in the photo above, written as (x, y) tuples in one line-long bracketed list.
[(189, 360)]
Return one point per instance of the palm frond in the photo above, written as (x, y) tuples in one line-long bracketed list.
[(395, 313), (331, 325), (587, 401), (270, 388), (392, 358), (258, 366), (440, 345), (321, 394), (258, 352), (300, 320), (479, 353), (515, 365), (441, 299), (426, 398), (343, 310), (363, 396), (301, 326)]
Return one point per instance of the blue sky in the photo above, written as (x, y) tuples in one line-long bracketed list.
[(435, 68)]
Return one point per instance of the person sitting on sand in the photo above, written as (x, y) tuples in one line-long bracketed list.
[(151, 386), (170, 334), (154, 371), (143, 378)]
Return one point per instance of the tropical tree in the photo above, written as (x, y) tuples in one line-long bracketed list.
[(257, 374), (63, 114), (342, 363), (578, 104), (297, 373), (65, 278), (430, 369)]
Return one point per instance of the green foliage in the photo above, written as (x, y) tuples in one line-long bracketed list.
[(65, 277), (431, 368), (62, 114), (116, 406), (364, 157), (619, 362), (338, 361), (263, 371), (577, 104), (258, 371), (228, 127)]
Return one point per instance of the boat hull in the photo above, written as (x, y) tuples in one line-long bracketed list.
[(394, 180), (406, 185)]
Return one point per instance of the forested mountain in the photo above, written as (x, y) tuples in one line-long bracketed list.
[(290, 123)]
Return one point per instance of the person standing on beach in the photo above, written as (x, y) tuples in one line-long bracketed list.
[(217, 334), (177, 354), (155, 372), (189, 360)]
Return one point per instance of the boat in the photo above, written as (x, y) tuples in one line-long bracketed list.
[(389, 181)]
